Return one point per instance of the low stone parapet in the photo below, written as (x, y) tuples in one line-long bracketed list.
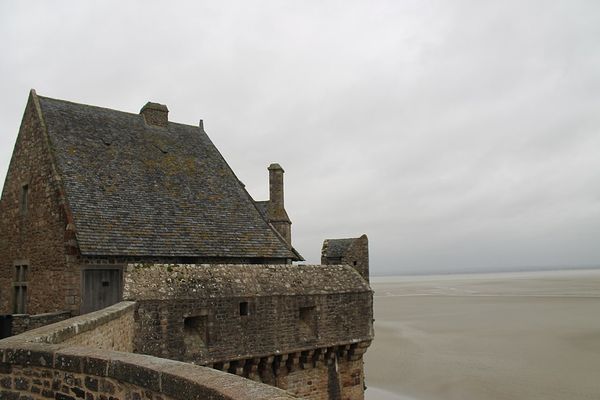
[(75, 359), (19, 323), (110, 328)]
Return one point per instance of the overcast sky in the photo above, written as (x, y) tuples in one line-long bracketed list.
[(459, 135)]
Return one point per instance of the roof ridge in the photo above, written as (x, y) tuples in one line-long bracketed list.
[(87, 105)]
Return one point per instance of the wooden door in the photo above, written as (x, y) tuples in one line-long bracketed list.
[(101, 288)]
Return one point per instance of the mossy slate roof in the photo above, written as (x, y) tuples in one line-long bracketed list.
[(141, 190)]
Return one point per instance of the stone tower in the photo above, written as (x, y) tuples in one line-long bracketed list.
[(352, 251)]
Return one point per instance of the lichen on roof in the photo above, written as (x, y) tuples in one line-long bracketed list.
[(140, 190)]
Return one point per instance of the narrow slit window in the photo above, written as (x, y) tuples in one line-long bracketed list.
[(20, 273), (24, 199), (20, 289)]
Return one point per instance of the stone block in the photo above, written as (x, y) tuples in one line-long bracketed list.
[(135, 374), (34, 355)]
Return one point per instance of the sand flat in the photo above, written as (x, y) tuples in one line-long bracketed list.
[(502, 336)]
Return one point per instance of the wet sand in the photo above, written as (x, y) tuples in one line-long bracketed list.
[(502, 336)]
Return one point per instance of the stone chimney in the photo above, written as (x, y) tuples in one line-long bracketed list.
[(155, 114), (276, 213)]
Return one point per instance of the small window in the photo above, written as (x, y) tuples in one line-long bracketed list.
[(20, 289), (20, 299), (20, 273), (354, 263), (244, 309), (356, 378), (24, 199)]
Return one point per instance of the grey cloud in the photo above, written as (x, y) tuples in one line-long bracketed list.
[(460, 135)]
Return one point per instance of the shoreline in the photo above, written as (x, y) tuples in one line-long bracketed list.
[(480, 275)]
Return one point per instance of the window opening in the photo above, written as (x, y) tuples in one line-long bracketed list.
[(24, 198), (20, 289), (244, 309), (195, 334), (307, 322)]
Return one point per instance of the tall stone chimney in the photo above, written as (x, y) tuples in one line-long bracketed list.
[(155, 114), (276, 213)]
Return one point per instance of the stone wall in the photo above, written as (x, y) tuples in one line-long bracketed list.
[(357, 256), (75, 359), (24, 322), (36, 229), (36, 372), (210, 313), (302, 328), (111, 328), (332, 373), (217, 332), (339, 379)]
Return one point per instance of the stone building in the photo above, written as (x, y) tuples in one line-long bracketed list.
[(91, 189), (101, 205)]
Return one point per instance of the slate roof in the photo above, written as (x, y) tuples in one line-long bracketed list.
[(161, 282), (141, 190), (262, 207), (336, 248)]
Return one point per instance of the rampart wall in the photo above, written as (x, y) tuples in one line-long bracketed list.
[(214, 313), (302, 328), (75, 359)]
